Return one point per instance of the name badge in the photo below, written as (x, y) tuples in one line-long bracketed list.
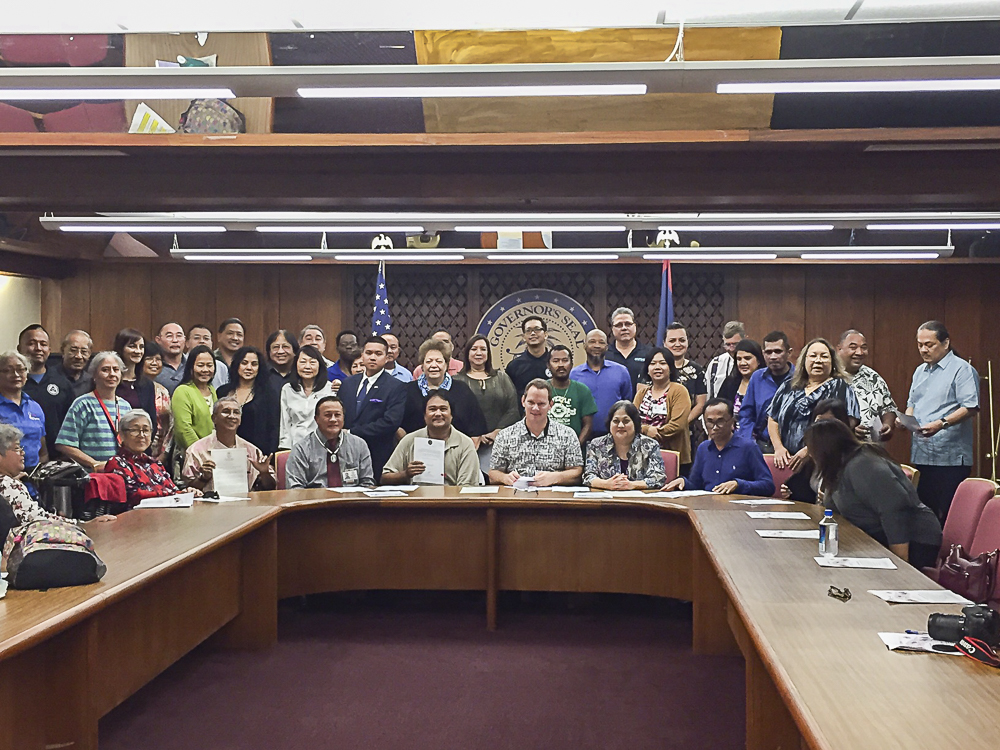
[(350, 477), (659, 409)]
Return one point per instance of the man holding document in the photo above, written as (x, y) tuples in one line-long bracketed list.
[(222, 461), (329, 456), (436, 454)]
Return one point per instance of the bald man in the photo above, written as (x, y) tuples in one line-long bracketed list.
[(607, 380)]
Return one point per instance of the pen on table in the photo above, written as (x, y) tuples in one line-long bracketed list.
[(916, 632)]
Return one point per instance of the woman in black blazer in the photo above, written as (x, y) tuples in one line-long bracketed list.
[(249, 382), (135, 387)]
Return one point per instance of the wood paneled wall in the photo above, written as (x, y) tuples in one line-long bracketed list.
[(886, 302)]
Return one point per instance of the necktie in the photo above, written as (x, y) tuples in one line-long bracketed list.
[(362, 393)]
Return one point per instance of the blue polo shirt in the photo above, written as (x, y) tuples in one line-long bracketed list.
[(609, 384), (29, 418), (757, 402), (740, 459), (936, 391)]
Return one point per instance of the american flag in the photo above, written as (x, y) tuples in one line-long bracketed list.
[(381, 317)]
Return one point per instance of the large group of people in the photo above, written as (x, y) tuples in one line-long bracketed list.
[(153, 410)]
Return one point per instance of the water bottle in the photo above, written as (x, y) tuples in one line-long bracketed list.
[(829, 542)]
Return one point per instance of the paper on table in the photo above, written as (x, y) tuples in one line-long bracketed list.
[(762, 501), (346, 489), (491, 489), (525, 484), (430, 453), (919, 596), (220, 499), (877, 563), (787, 514), (789, 533), (182, 500), (559, 488), (679, 493), (629, 493), (592, 495), (384, 493), (907, 421), (230, 475), (917, 642)]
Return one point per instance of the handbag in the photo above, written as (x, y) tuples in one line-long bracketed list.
[(972, 578), (50, 554)]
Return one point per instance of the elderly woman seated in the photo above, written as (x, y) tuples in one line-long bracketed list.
[(624, 458), (199, 466), (144, 476), (12, 488)]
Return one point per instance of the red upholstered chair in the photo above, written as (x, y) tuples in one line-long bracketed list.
[(53, 49), (16, 120), (780, 476), (106, 117), (963, 520), (912, 474), (280, 459), (987, 538), (671, 464)]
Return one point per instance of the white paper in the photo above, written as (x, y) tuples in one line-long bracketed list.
[(762, 501), (786, 514), (680, 493), (182, 500), (789, 533), (430, 453), (876, 563), (384, 493), (345, 490), (221, 499), (525, 484), (592, 495), (3, 586), (488, 490), (908, 421), (629, 493), (230, 475), (919, 596), (917, 642), (560, 488)]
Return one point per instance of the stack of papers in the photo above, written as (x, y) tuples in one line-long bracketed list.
[(381, 492), (560, 488), (789, 533), (588, 495), (762, 501), (182, 500), (786, 514), (920, 596), (490, 489), (876, 563), (917, 642), (221, 499)]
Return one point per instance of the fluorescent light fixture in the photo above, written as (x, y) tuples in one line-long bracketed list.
[(710, 256), (234, 257), (339, 228), (750, 228), (419, 92), (14, 95), (552, 228), (358, 257), (552, 256), (870, 256), (860, 87), (166, 228), (931, 227)]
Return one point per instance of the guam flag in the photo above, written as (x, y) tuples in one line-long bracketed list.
[(666, 316)]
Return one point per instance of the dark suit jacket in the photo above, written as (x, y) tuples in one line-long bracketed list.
[(380, 415)]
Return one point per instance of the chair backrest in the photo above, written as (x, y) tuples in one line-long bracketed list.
[(280, 459), (780, 476), (987, 532), (963, 516), (912, 474), (671, 464)]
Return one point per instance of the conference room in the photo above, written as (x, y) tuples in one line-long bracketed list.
[(270, 229)]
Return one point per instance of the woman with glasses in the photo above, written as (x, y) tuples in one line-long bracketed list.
[(144, 476), (17, 408), (624, 458)]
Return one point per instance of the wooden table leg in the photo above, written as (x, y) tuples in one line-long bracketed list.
[(769, 725), (256, 626), (710, 630), (492, 573)]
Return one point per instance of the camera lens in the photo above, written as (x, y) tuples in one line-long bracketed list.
[(948, 628)]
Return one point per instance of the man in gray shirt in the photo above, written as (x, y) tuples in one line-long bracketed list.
[(329, 456)]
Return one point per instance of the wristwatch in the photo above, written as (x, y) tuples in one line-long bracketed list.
[(945, 424)]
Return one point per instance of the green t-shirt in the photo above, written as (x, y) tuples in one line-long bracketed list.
[(570, 405)]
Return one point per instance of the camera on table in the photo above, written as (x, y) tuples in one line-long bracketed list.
[(976, 621)]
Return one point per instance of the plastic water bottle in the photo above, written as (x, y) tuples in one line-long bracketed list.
[(829, 539)]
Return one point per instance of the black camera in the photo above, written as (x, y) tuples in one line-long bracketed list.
[(976, 621)]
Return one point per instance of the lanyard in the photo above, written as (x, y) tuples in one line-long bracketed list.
[(107, 414)]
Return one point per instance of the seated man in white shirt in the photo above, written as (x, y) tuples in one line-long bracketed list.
[(198, 464), (461, 462)]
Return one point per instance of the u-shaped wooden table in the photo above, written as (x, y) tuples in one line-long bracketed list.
[(817, 674)]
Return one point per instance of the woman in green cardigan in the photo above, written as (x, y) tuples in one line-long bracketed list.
[(193, 399)]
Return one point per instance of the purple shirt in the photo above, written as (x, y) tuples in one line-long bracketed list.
[(609, 384)]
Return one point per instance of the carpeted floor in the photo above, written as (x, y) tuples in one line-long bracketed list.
[(387, 671)]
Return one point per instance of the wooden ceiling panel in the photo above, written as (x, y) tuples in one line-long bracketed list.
[(566, 114)]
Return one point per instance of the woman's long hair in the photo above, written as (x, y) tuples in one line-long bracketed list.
[(831, 444)]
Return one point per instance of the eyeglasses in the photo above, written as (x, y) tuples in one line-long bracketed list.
[(140, 431), (14, 370), (533, 329), (710, 423), (623, 324), (18, 449)]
